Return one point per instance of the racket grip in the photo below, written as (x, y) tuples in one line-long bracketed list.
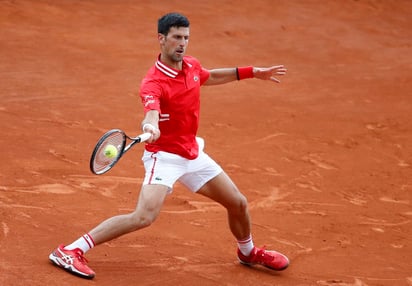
[(145, 136)]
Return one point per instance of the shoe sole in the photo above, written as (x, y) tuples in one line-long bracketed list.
[(271, 268), (57, 261)]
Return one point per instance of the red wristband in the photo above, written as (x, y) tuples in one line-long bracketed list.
[(244, 72)]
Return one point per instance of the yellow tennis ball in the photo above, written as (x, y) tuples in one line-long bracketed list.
[(110, 151)]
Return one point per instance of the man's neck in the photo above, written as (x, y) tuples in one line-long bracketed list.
[(171, 63)]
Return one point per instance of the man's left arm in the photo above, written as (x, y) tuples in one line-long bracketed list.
[(225, 75)]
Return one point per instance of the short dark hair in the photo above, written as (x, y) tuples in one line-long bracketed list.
[(171, 20)]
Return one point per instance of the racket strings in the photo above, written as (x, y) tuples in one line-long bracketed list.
[(101, 160)]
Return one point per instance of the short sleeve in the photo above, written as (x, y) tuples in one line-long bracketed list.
[(204, 75), (150, 92)]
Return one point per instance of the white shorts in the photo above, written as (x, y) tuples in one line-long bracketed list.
[(163, 168)]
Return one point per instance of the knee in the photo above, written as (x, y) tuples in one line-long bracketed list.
[(243, 203), (139, 221), (239, 205), (146, 221)]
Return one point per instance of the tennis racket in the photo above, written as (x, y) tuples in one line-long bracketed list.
[(110, 148)]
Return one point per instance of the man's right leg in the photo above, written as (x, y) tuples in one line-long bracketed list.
[(148, 207)]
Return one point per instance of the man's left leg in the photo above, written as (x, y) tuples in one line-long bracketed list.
[(222, 190)]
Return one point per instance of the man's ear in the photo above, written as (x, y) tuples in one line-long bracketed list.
[(161, 38)]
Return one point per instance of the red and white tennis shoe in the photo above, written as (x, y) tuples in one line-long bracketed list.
[(72, 261), (268, 258)]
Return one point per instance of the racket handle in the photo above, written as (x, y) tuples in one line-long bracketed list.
[(143, 137)]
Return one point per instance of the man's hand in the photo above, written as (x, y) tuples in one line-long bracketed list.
[(269, 73), (150, 128)]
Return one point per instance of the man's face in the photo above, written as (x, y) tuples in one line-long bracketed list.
[(173, 46)]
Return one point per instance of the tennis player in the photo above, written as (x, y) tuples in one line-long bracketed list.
[(170, 93)]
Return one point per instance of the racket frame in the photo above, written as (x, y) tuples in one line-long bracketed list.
[(121, 151)]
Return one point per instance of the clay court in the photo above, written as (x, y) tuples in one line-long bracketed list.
[(324, 157)]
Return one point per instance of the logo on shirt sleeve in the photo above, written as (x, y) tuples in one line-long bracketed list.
[(148, 99)]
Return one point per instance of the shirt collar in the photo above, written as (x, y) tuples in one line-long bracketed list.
[(170, 72)]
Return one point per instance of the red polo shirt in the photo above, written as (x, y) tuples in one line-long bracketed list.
[(175, 95)]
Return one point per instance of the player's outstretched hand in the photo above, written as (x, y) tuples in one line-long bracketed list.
[(269, 73)]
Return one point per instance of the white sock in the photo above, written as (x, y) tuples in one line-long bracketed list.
[(246, 245), (85, 243)]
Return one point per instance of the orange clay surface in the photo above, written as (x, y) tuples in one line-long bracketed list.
[(325, 157)]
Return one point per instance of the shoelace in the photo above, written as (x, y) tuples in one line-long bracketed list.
[(265, 256), (79, 255)]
